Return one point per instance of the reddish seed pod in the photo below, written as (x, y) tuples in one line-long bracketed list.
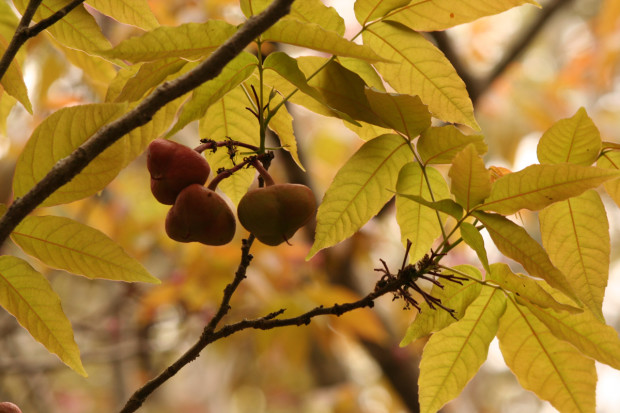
[(173, 167), (8, 407)]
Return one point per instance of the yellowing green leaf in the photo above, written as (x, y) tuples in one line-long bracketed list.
[(27, 295), (453, 355), (575, 234), (314, 11), (454, 296), (369, 10), (447, 205), (282, 125), (190, 40), (99, 72), (56, 137), (235, 72), (526, 288), (574, 140), (313, 36), (611, 160), (441, 144), (419, 68), (514, 242), (69, 245), (228, 117), (553, 369), (470, 179), (360, 189), (434, 15), (403, 113), (148, 76), (585, 331), (537, 186), (364, 70), (134, 12), (13, 80), (418, 223), (472, 237)]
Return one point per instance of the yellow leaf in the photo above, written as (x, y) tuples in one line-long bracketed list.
[(282, 125), (470, 179), (453, 355), (611, 160), (553, 369), (66, 244), (99, 72), (403, 113), (364, 70), (190, 40), (56, 137), (360, 189), (441, 144), (574, 140), (418, 223), (369, 10), (526, 288), (575, 234), (134, 12), (419, 68), (585, 331), (13, 80), (537, 186), (313, 36), (472, 237), (427, 16), (514, 242), (27, 295), (148, 76), (454, 296)]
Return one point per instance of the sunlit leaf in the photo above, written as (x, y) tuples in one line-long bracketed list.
[(418, 223), (190, 40), (573, 140), (149, 75), (99, 72), (455, 296), (369, 10), (69, 245), (514, 242), (441, 144), (537, 186), (447, 205), (27, 295), (453, 355), (360, 189), (472, 237), (364, 70), (470, 179), (13, 80), (553, 369), (575, 234), (428, 16), (282, 125), (403, 113), (6, 104), (611, 160), (419, 68), (134, 12), (56, 137)]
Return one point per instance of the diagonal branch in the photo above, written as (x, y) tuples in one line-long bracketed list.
[(67, 168)]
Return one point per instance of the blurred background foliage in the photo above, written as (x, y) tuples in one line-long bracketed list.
[(128, 332)]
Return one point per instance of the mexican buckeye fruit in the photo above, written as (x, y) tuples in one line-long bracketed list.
[(174, 167), (199, 214), (274, 213)]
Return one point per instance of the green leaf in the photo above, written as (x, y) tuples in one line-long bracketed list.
[(553, 369), (69, 245), (454, 296), (13, 80), (428, 16), (360, 189), (574, 140), (441, 144), (472, 237), (282, 125), (453, 355), (235, 72), (190, 41), (148, 76), (470, 179), (447, 206), (403, 113), (369, 10), (575, 234), (419, 68), (364, 70), (418, 223), (134, 12), (537, 186), (313, 36), (56, 137), (611, 160), (514, 242), (526, 288), (27, 295)]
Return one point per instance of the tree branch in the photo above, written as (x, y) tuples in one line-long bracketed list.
[(67, 168)]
